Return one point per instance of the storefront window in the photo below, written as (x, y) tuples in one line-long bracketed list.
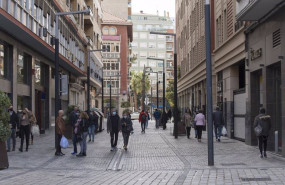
[(3, 61), (22, 68), (38, 73)]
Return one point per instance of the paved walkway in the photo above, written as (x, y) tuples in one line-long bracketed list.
[(153, 158)]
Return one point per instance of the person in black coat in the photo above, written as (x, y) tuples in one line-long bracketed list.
[(83, 132), (113, 128), (169, 114), (14, 125), (93, 119), (164, 119), (127, 128), (73, 117), (218, 122)]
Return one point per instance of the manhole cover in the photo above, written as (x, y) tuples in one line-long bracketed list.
[(233, 164), (256, 179)]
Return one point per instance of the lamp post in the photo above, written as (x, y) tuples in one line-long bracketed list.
[(88, 79), (56, 67), (156, 86), (163, 98), (175, 82)]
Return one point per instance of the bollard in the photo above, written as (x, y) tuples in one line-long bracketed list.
[(276, 141)]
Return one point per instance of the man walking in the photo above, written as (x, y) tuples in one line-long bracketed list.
[(156, 115), (73, 117), (218, 122), (142, 120), (59, 128), (114, 127), (13, 124), (264, 122)]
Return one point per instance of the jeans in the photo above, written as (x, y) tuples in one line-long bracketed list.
[(262, 143), (114, 135), (91, 132), (218, 131), (58, 147), (126, 136), (74, 141), (13, 137), (83, 145), (199, 131), (25, 132), (146, 123), (143, 126), (157, 123), (188, 130)]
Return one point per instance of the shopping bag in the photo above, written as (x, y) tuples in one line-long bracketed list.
[(35, 130), (224, 131), (63, 142)]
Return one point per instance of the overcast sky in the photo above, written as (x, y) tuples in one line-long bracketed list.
[(151, 6)]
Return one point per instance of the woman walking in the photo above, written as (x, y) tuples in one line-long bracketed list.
[(188, 122), (33, 122), (127, 127), (200, 124), (83, 131), (24, 130)]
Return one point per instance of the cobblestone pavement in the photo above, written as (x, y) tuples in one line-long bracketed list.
[(152, 158)]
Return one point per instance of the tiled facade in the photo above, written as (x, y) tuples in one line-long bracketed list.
[(27, 54)]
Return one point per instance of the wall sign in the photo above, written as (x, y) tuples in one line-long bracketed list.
[(254, 54)]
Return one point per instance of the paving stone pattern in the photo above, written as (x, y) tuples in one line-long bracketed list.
[(152, 158)]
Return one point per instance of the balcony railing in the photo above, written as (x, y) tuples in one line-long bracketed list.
[(111, 55), (111, 73), (114, 91)]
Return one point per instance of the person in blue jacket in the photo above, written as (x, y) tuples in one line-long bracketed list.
[(156, 115)]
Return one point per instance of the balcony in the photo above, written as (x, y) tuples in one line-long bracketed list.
[(111, 73), (111, 37), (169, 48), (111, 55), (114, 91), (88, 18), (254, 10)]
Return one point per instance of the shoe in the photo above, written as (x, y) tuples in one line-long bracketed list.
[(219, 140), (265, 155), (58, 154), (20, 149), (126, 148), (73, 153), (79, 155), (62, 153), (112, 149), (84, 154)]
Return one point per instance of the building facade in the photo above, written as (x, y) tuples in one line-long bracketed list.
[(27, 54), (117, 35), (119, 8)]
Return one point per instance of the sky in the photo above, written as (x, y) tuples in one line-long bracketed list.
[(151, 6)]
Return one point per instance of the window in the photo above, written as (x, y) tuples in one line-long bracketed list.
[(3, 60), (152, 45), (143, 63), (113, 31), (135, 35), (161, 55), (152, 37), (111, 65), (134, 44), (169, 46), (152, 64), (143, 45), (148, 27), (152, 54), (112, 47), (38, 73), (22, 68), (161, 36), (143, 54), (161, 46), (105, 30), (143, 35), (139, 27), (160, 64)]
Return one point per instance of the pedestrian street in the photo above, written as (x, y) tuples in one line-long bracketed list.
[(154, 157)]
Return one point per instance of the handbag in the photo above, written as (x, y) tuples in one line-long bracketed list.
[(35, 130), (258, 130)]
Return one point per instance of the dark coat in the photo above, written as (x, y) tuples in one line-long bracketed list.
[(14, 120), (83, 125), (265, 122), (157, 115), (117, 123), (169, 114), (218, 118), (127, 125), (94, 120), (73, 118)]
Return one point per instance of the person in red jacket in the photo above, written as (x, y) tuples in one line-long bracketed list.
[(142, 120)]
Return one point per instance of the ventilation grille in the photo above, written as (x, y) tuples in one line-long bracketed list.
[(276, 37)]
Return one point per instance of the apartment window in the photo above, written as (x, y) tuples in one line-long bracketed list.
[(143, 54), (143, 63), (161, 36), (143, 35), (152, 63), (161, 46), (113, 31), (160, 64), (134, 44), (161, 55), (4, 56), (225, 25), (152, 45), (105, 30), (152, 36), (143, 45), (135, 34), (111, 47), (149, 27), (169, 46), (111, 65), (139, 27), (152, 54)]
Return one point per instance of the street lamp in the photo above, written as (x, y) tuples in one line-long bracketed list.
[(175, 82), (163, 98), (56, 67), (88, 78)]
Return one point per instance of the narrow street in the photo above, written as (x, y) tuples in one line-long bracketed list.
[(152, 158)]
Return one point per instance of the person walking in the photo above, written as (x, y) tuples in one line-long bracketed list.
[(148, 118), (156, 115), (264, 121), (200, 124), (33, 122), (169, 114), (142, 120), (127, 128), (14, 125), (73, 117), (59, 129), (113, 128), (188, 122), (218, 122), (164, 119), (93, 118), (24, 130), (83, 132)]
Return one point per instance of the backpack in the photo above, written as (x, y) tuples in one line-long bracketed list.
[(143, 118)]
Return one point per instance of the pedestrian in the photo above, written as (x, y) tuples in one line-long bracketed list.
[(156, 115), (200, 124), (195, 112), (114, 127), (169, 114), (59, 128), (218, 122), (14, 125), (73, 117), (83, 132), (24, 130), (127, 128), (148, 118), (264, 121), (93, 119), (142, 120), (164, 119), (33, 122), (188, 122)]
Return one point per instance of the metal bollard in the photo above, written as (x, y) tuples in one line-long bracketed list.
[(276, 141)]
